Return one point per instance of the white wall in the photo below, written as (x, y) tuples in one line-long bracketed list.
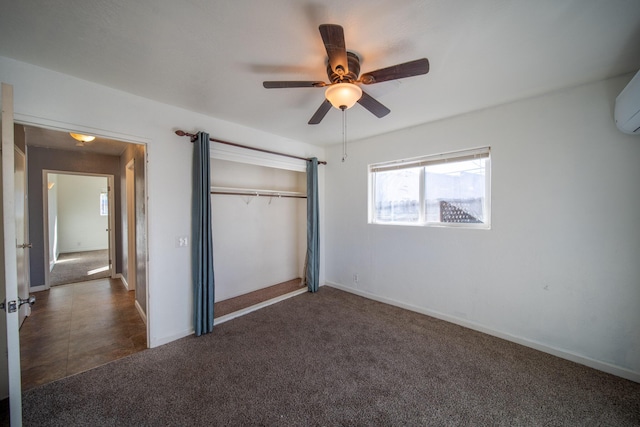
[(255, 239), (80, 225), (43, 97), (559, 268)]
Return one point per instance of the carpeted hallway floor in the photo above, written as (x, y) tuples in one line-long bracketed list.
[(333, 358), (75, 267)]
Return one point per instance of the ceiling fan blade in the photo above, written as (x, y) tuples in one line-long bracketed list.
[(370, 103), (320, 113), (333, 38), (286, 84), (407, 69)]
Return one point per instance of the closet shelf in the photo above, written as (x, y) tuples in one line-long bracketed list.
[(256, 192)]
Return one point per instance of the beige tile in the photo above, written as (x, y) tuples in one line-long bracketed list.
[(77, 327)]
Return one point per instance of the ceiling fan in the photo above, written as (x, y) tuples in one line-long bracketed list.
[(343, 70)]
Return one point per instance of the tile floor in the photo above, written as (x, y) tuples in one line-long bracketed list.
[(76, 327)]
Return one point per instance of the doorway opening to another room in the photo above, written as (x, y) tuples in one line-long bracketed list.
[(79, 210), (79, 228)]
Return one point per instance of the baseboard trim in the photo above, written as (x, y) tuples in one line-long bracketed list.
[(124, 281), (564, 354), (258, 306), (37, 288), (141, 311), (157, 342)]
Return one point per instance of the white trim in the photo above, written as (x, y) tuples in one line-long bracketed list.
[(564, 354), (11, 382), (123, 280), (39, 288), (41, 122), (139, 308), (431, 159), (45, 217), (158, 341), (422, 163), (258, 306), (243, 155), (129, 215)]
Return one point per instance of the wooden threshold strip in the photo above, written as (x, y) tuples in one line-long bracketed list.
[(242, 302)]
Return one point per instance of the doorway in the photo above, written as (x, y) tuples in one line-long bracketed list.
[(81, 325), (79, 229)]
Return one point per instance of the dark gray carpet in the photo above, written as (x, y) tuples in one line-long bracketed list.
[(74, 267), (332, 358)]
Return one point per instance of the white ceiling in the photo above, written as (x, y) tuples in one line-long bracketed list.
[(212, 56)]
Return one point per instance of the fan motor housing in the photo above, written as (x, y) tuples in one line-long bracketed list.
[(353, 62)]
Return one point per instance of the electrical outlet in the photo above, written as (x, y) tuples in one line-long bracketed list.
[(182, 242), (356, 278)]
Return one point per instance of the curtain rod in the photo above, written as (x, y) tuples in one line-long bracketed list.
[(192, 135)]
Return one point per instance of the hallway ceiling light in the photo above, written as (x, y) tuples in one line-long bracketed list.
[(82, 138)]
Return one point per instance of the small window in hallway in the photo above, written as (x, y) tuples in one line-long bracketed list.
[(104, 204)]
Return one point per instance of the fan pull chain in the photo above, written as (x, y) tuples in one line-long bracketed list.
[(344, 134)]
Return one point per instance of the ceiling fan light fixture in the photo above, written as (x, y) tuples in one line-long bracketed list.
[(82, 138), (343, 95)]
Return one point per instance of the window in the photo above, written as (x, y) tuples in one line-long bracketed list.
[(451, 189), (104, 204)]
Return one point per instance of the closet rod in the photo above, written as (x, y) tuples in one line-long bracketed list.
[(259, 194), (192, 135)]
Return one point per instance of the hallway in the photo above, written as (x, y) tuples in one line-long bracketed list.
[(76, 327)]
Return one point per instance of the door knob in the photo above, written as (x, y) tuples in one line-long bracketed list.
[(31, 300)]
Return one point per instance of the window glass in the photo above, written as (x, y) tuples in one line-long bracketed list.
[(397, 195), (451, 189), (104, 204), (455, 192)]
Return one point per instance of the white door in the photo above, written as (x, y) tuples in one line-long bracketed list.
[(10, 374), (22, 247)]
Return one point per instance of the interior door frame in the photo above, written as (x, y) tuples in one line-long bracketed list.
[(130, 197), (141, 168), (45, 215)]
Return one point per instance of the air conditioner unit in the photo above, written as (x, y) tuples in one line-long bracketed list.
[(627, 109)]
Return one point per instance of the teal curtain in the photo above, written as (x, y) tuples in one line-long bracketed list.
[(312, 269), (201, 237)]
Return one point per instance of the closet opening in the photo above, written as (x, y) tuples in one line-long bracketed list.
[(259, 234)]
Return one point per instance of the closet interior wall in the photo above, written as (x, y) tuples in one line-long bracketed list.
[(258, 241)]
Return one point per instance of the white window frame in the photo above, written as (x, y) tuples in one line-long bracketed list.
[(454, 156)]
